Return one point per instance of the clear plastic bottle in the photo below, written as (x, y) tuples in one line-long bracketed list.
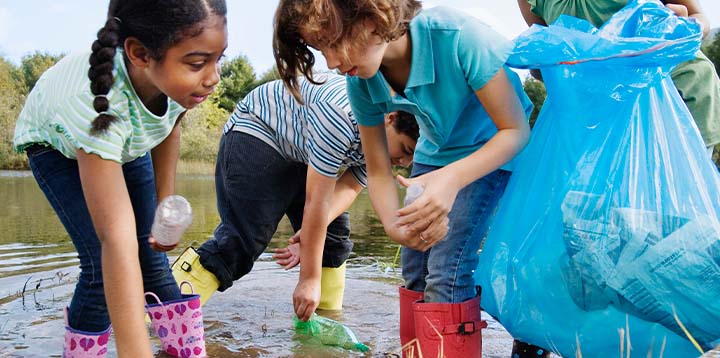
[(172, 218), (413, 192), (330, 332)]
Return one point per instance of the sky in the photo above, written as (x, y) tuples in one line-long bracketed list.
[(63, 26)]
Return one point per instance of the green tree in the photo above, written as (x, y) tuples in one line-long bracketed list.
[(201, 131), (712, 49), (269, 75), (13, 89), (237, 78), (32, 66), (536, 91)]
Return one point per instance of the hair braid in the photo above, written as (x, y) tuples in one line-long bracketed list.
[(100, 73)]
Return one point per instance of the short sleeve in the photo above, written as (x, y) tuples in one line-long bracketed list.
[(536, 7), (108, 145), (365, 111), (359, 172), (482, 52), (330, 136)]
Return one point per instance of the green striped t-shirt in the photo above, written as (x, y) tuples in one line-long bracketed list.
[(59, 112)]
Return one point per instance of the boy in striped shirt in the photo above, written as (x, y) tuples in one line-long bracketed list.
[(280, 157)]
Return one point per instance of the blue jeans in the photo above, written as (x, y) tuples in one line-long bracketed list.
[(445, 271), (255, 188), (59, 179)]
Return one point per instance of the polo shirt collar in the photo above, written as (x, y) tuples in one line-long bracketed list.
[(422, 68)]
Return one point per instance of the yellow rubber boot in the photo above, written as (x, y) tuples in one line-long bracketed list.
[(187, 267), (332, 288)]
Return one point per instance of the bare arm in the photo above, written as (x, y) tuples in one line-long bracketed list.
[(165, 157), (112, 214), (382, 188), (690, 8), (318, 197), (441, 186), (528, 15)]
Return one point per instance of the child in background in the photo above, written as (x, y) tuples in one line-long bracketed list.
[(303, 159), (696, 80), (88, 127), (446, 68)]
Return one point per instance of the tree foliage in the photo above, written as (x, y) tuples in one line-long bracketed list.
[(237, 78), (13, 89), (713, 51), (536, 91), (32, 66)]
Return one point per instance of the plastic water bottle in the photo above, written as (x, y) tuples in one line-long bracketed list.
[(172, 218), (330, 332), (413, 192)]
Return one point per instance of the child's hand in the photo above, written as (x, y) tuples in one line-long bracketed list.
[(159, 248), (679, 10), (423, 239), (289, 257), (306, 298), (427, 214)]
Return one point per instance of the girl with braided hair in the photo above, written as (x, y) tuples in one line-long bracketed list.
[(101, 133)]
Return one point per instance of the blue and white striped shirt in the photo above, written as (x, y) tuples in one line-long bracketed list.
[(322, 133)]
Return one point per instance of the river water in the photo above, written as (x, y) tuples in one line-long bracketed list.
[(38, 271)]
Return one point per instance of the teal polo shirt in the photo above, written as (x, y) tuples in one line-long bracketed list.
[(453, 55)]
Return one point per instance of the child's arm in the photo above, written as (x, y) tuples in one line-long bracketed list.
[(441, 186), (318, 198), (165, 157), (384, 195), (112, 214), (530, 17), (690, 8), (346, 190)]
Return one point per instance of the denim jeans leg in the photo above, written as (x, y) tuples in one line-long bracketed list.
[(448, 266), (157, 276), (254, 186), (59, 179)]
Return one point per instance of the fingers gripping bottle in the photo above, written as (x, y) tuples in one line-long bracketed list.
[(413, 192), (172, 218)]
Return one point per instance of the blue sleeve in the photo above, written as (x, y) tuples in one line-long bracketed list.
[(365, 111), (482, 52)]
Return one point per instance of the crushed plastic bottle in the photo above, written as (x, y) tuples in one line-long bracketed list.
[(330, 332), (413, 192), (172, 218)]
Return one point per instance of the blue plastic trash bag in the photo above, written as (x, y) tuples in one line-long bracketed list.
[(609, 223)]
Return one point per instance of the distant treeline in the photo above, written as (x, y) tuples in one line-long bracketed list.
[(202, 126)]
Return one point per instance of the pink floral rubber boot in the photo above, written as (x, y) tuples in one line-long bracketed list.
[(179, 324), (81, 344)]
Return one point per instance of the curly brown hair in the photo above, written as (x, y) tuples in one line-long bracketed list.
[(335, 24)]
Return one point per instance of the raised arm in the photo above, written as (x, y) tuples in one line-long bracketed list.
[(112, 214), (528, 15)]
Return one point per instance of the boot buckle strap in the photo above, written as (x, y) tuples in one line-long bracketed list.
[(186, 266), (465, 328)]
